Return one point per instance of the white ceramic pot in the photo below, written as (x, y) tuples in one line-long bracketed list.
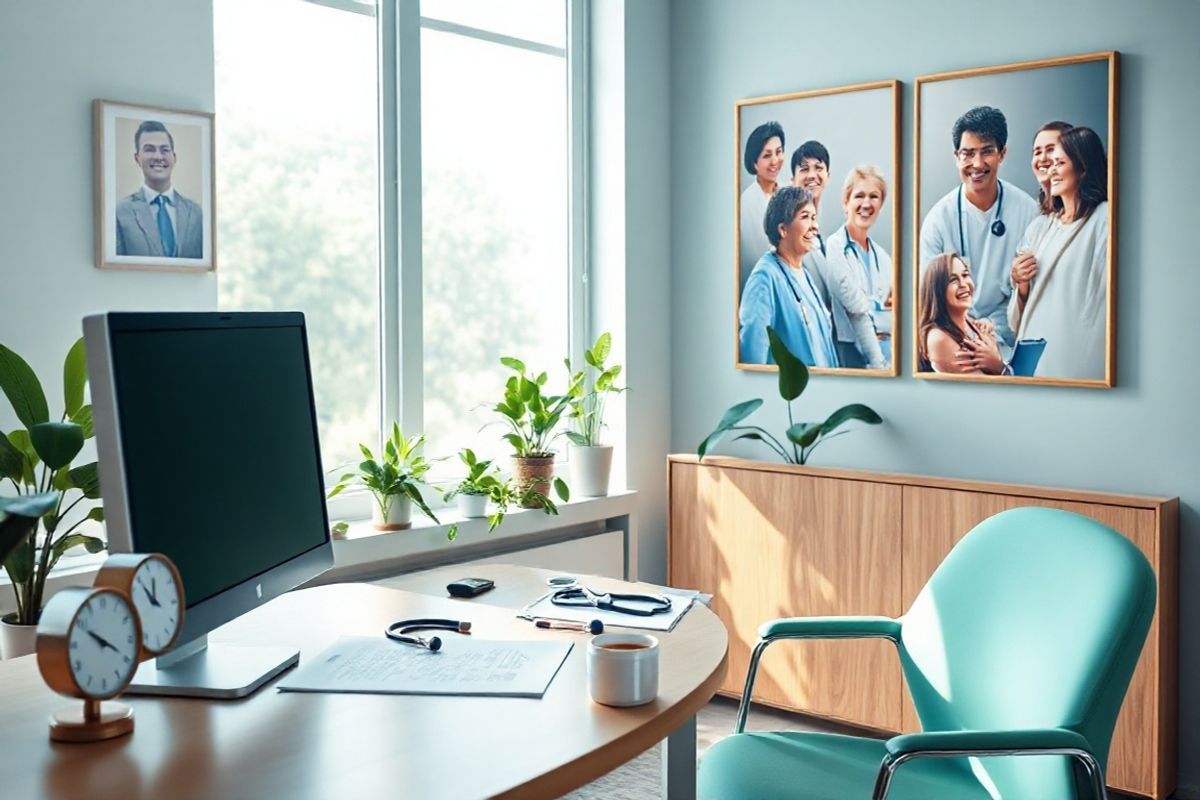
[(472, 506), (590, 470), (399, 514), (16, 640)]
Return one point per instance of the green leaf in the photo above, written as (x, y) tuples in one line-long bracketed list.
[(21, 441), (19, 561), (846, 413), (11, 460), (732, 417), (541, 379), (87, 480), (452, 532), (601, 349), (74, 377), (512, 363), (14, 530), (64, 544), (561, 488), (83, 418), (96, 514), (516, 441), (366, 451), (578, 439), (32, 506), (804, 433), (590, 358), (793, 374), (22, 388), (56, 442)]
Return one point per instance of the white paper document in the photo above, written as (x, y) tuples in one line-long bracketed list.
[(464, 666), (681, 601)]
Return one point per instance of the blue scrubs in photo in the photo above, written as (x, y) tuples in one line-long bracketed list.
[(776, 296)]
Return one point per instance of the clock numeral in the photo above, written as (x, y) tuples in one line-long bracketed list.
[(129, 639), (74, 645), (127, 660), (103, 603), (89, 680), (126, 620), (103, 684), (78, 665)]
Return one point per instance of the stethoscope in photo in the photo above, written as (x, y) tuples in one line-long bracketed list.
[(399, 631), (850, 250), (576, 595), (998, 227), (796, 294)]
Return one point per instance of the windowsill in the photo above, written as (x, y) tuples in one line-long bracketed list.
[(367, 552)]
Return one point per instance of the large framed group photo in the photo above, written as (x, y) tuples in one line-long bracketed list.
[(155, 188), (1015, 214), (816, 225)]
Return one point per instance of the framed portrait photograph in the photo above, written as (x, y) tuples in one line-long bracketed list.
[(155, 188), (1016, 222), (816, 224)]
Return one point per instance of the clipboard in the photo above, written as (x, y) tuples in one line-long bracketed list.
[(1025, 357)]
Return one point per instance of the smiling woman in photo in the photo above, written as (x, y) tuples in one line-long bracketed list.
[(781, 294), (1064, 297), (762, 158), (948, 340), (859, 275)]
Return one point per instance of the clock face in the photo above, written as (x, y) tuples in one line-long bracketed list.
[(103, 645), (157, 596)]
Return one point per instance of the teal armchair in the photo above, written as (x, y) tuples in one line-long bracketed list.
[(1017, 653)]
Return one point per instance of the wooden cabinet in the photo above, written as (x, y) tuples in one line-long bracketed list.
[(774, 540)]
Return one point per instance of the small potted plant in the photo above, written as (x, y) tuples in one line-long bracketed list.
[(38, 525), (532, 419), (473, 492), (591, 461), (394, 482), (504, 494)]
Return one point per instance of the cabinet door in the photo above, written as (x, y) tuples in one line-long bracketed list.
[(935, 519), (769, 545)]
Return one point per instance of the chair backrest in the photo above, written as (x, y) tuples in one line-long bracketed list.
[(1035, 619)]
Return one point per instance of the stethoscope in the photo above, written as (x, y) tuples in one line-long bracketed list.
[(796, 294), (398, 631), (848, 249), (576, 595), (998, 227)]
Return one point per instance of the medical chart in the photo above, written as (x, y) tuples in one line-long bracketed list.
[(464, 666)]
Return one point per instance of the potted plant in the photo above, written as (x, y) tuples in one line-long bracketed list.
[(532, 419), (590, 461), (394, 482), (501, 495), (473, 491), (39, 525), (803, 437)]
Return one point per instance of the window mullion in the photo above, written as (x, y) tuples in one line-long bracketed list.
[(402, 395), (577, 152)]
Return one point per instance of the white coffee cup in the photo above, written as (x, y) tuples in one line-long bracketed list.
[(623, 668)]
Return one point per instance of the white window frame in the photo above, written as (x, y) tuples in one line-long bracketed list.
[(401, 335)]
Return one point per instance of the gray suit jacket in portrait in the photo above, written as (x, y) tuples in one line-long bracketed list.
[(137, 228)]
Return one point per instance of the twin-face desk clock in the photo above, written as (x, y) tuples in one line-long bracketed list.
[(91, 640)]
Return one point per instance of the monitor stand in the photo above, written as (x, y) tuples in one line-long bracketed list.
[(221, 671)]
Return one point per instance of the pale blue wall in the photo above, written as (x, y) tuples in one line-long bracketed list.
[(1143, 436)]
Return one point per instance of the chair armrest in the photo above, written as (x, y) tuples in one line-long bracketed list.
[(960, 744), (934, 743), (831, 628)]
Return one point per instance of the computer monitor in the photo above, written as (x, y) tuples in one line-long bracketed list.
[(206, 433)]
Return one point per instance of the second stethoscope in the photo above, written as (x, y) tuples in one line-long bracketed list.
[(849, 249), (399, 631), (998, 227)]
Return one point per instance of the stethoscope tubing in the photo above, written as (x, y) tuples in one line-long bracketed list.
[(998, 227)]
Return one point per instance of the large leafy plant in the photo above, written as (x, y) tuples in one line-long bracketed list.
[(588, 390), (36, 460), (802, 437), (483, 478), (399, 473), (532, 417)]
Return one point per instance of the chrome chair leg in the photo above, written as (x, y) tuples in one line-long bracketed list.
[(744, 706)]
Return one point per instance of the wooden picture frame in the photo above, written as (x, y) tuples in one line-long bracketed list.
[(1080, 90), (851, 125), (141, 152)]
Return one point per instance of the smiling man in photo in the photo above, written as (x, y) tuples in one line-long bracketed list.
[(156, 220), (983, 219)]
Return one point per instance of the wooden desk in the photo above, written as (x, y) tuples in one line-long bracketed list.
[(326, 745)]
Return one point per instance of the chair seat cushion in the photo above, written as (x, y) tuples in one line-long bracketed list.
[(819, 766)]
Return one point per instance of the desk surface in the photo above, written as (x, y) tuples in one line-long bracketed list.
[(274, 744)]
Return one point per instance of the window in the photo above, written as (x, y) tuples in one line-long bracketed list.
[(474, 142), (495, 176), (297, 188)]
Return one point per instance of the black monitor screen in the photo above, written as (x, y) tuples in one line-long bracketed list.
[(220, 449)]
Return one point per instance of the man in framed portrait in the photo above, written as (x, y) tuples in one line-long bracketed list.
[(156, 220), (983, 219)]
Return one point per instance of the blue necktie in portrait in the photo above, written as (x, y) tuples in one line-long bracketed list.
[(165, 232)]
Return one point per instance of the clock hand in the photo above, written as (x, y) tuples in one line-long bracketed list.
[(101, 641), (153, 600), (154, 589)]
